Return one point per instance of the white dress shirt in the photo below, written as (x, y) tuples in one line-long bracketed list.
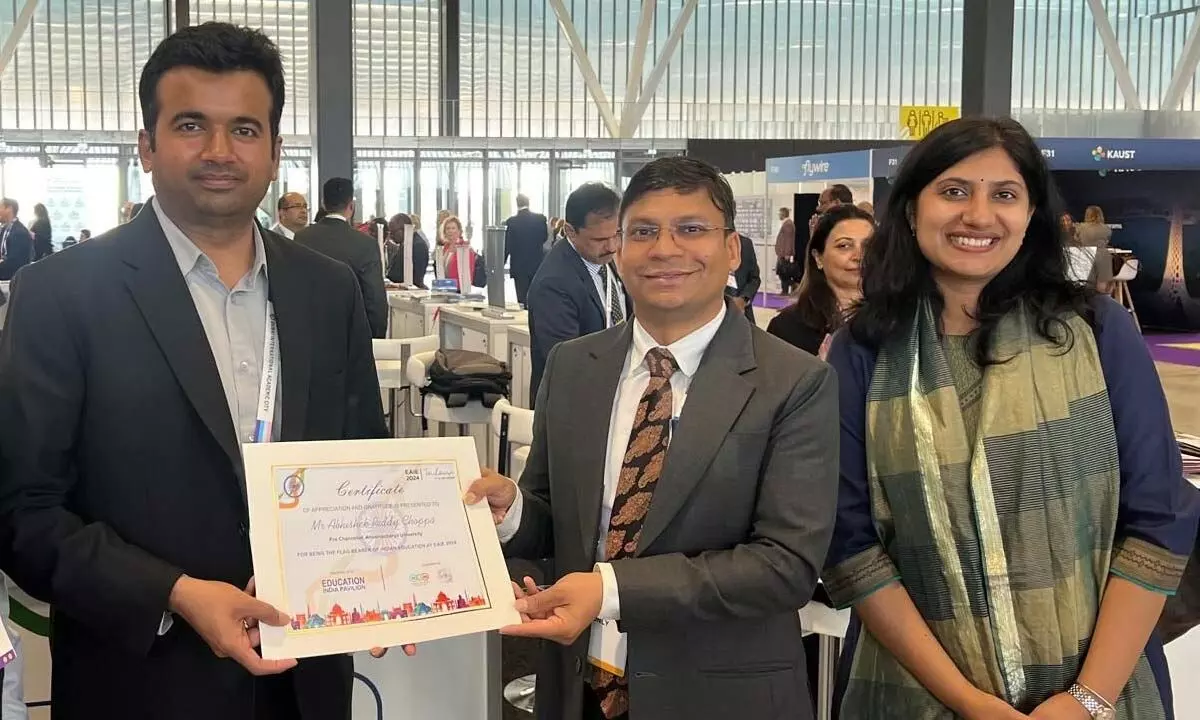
[(635, 377), (281, 229), (235, 324), (594, 271)]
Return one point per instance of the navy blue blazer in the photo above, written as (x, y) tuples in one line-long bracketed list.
[(563, 305), (18, 251)]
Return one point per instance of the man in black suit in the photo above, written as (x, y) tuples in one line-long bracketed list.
[(524, 239), (745, 281), (396, 250), (567, 298), (335, 237), (132, 368), (16, 243)]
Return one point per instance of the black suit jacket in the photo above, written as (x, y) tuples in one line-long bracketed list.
[(524, 239), (18, 250), (420, 263), (563, 304), (747, 277), (734, 539), (338, 240), (120, 467)]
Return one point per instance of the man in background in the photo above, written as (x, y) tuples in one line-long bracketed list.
[(85, 235), (745, 280), (830, 197), (334, 236), (577, 291), (16, 242), (785, 251), (524, 239), (397, 272), (292, 211)]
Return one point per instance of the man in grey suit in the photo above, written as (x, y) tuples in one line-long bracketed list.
[(686, 533)]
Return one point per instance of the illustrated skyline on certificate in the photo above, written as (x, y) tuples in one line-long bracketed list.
[(399, 558), (367, 543)]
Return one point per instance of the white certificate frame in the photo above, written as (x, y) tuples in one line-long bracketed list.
[(264, 463)]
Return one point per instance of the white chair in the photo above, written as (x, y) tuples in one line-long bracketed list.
[(433, 408), (390, 358), (1120, 288), (520, 437)]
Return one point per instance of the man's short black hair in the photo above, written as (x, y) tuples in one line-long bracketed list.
[(590, 198), (841, 194), (217, 48), (684, 175), (336, 194), (11, 205)]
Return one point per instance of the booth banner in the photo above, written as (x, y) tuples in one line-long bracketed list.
[(1120, 153), (753, 219), (830, 166)]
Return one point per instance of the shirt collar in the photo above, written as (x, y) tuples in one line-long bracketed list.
[(594, 267), (335, 216), (281, 229), (188, 255), (688, 350)]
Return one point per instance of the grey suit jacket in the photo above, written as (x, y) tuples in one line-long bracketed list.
[(735, 537)]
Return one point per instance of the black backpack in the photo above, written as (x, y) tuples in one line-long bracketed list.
[(460, 376)]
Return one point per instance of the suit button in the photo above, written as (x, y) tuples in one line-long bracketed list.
[(243, 531), (578, 666)]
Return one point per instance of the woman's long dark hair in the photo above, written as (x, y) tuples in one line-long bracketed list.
[(897, 277), (816, 305)]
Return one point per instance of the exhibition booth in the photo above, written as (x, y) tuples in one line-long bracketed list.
[(1146, 189)]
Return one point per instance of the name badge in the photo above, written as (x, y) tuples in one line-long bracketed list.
[(606, 647)]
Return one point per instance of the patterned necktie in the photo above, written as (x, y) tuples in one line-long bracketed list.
[(640, 471), (616, 307)]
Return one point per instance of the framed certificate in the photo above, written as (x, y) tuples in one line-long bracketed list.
[(367, 543)]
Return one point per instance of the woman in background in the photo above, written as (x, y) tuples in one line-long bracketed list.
[(1094, 233), (43, 241), (450, 240), (831, 283), (1012, 512)]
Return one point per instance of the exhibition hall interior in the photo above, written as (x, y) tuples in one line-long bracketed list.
[(505, 359)]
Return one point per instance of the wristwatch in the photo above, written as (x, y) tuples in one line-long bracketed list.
[(1098, 707)]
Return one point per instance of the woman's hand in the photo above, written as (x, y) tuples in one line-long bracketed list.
[(990, 707)]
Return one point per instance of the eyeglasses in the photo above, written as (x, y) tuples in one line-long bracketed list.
[(294, 207), (680, 231)]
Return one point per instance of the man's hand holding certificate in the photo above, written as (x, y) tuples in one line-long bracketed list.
[(368, 544)]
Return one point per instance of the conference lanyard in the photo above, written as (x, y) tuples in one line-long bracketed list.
[(268, 383), (608, 298)]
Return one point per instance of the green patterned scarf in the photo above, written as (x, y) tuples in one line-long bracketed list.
[(1005, 539)]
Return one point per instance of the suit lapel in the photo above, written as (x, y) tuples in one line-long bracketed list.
[(585, 277), (716, 397), (291, 299), (162, 296), (597, 394)]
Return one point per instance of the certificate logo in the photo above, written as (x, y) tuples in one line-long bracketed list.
[(418, 579), (293, 488), (445, 576)]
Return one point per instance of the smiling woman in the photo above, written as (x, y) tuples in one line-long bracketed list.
[(999, 513)]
